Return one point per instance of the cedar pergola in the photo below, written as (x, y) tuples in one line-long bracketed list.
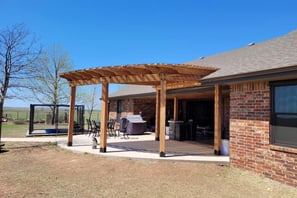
[(161, 76)]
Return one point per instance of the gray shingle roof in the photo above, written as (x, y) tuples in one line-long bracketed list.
[(131, 90), (272, 54), (276, 53)]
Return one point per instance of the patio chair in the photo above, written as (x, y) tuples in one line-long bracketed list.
[(90, 127), (123, 127), (110, 127), (96, 128)]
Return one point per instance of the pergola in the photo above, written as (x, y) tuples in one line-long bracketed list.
[(161, 76)]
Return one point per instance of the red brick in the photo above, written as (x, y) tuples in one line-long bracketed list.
[(249, 134)]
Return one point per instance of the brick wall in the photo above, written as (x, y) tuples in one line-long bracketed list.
[(133, 106), (113, 109), (249, 135), (127, 108), (147, 107)]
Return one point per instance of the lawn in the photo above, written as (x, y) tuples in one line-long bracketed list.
[(49, 171), (9, 129), (14, 130)]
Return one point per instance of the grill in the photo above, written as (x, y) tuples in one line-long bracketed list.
[(136, 125)]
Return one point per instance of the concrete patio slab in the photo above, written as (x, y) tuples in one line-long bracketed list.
[(136, 146)]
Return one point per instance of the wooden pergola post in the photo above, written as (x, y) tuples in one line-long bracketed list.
[(71, 115), (157, 124), (104, 117), (175, 109), (218, 119), (162, 117)]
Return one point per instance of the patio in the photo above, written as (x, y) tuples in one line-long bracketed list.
[(146, 147), (137, 146)]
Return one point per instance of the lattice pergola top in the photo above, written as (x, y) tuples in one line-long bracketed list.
[(139, 74)]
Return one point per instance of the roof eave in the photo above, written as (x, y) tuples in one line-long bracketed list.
[(272, 74), (144, 95)]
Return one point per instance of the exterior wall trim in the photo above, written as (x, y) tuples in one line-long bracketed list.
[(283, 149)]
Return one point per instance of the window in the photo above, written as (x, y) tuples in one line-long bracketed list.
[(283, 130), (119, 106), (119, 109)]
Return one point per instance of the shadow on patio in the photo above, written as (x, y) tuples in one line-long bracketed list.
[(173, 148)]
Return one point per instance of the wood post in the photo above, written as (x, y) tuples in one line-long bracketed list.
[(104, 117), (71, 115), (218, 119), (162, 117), (157, 121), (175, 109)]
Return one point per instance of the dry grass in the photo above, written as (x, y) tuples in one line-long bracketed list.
[(44, 170)]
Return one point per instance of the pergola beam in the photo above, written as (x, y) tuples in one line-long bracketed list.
[(181, 84), (217, 119), (157, 124), (150, 79), (138, 74), (71, 116), (104, 118), (162, 117)]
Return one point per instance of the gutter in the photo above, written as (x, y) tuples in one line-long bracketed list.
[(271, 74)]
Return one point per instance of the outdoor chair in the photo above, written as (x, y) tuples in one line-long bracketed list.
[(96, 128), (90, 127), (110, 128), (123, 127)]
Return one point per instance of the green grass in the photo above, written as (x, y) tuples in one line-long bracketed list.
[(10, 129), (14, 130)]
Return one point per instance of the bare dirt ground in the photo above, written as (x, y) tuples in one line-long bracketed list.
[(43, 170)]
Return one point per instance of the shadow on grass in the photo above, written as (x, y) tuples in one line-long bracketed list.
[(25, 145), (1, 148)]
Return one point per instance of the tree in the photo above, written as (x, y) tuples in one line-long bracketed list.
[(18, 52), (48, 87), (89, 99)]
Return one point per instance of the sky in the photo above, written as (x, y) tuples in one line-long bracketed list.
[(117, 32)]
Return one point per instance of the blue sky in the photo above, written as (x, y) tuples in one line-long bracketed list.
[(116, 32)]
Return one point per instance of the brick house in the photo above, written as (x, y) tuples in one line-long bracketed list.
[(259, 105)]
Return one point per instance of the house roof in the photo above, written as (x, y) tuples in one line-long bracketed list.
[(133, 91), (265, 57), (271, 58)]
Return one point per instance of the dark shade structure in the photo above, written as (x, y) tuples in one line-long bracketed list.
[(53, 119)]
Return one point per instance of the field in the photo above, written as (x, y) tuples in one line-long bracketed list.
[(18, 120), (49, 171), (40, 114)]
